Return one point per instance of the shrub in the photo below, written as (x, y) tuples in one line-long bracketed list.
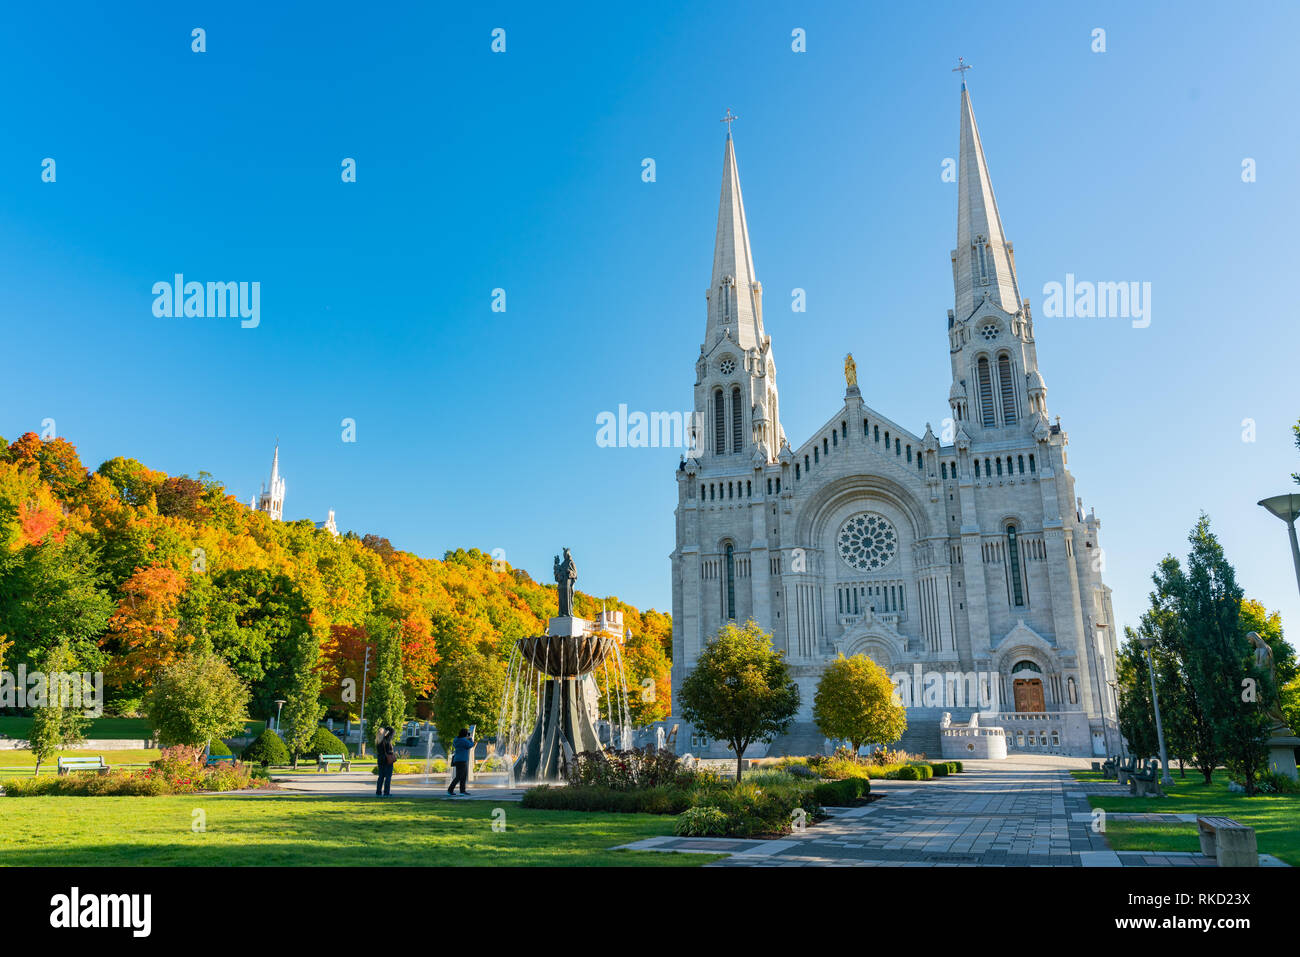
[(754, 810), (218, 748), (1270, 782), (800, 771), (958, 766), (404, 767), (267, 749), (701, 822), (843, 793), (940, 769), (578, 797), (908, 772), (630, 770), (924, 771), (323, 741)]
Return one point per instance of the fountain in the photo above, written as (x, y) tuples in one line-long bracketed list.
[(551, 702)]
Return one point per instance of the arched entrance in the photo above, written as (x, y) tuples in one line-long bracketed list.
[(1027, 687)]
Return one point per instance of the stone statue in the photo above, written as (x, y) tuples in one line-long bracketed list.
[(566, 573), (1264, 663), (850, 371)]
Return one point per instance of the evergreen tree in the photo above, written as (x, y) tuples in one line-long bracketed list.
[(1218, 658), (469, 693), (386, 694), (302, 700), (1136, 715)]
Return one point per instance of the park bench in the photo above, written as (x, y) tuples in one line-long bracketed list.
[(1146, 783), (1230, 843), (1126, 767), (218, 758), (83, 764), (335, 761)]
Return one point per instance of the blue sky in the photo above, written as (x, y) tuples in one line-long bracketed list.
[(522, 171)]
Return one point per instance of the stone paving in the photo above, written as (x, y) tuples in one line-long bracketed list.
[(1019, 812)]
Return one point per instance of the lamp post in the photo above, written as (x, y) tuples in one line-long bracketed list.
[(1113, 685), (1147, 644), (279, 703), (1287, 508)]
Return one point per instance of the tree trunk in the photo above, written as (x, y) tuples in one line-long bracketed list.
[(740, 756)]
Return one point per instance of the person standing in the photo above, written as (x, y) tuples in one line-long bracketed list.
[(386, 757), (460, 757)]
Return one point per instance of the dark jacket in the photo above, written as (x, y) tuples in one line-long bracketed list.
[(463, 746), (385, 753)]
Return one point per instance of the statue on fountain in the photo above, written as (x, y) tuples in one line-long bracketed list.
[(566, 573)]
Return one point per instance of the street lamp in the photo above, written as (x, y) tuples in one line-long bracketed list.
[(1147, 645), (1287, 508), (1114, 702), (279, 703)]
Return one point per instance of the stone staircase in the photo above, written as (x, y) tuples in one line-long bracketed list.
[(922, 734), (803, 738)]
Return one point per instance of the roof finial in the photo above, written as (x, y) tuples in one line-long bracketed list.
[(729, 119), (961, 67)]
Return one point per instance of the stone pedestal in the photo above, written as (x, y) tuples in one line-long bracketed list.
[(1281, 755)]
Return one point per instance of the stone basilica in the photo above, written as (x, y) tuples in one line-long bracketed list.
[(961, 564)]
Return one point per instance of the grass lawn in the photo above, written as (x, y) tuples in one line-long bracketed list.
[(319, 831), (107, 728), (1275, 817)]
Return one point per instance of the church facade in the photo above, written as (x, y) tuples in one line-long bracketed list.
[(961, 562)]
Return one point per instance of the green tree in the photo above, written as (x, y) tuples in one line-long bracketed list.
[(195, 699), (740, 690), (855, 700), (55, 723), (1218, 657), (386, 695), (303, 707), (51, 593), (468, 693), (1136, 717)]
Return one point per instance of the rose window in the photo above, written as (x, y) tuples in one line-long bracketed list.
[(867, 541), (727, 366), (989, 332)]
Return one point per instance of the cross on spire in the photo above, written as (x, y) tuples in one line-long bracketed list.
[(729, 119), (961, 67)]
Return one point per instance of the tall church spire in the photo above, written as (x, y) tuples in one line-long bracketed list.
[(735, 295), (983, 262)]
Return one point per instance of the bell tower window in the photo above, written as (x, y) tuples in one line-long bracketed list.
[(719, 424)]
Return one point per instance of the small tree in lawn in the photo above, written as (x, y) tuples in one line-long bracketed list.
[(386, 697), (54, 725), (855, 701), (468, 693), (196, 698), (740, 690)]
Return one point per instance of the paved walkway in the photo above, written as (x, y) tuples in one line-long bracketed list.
[(1020, 812), (362, 784)]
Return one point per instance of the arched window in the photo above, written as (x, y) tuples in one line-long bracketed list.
[(977, 468), (987, 418), (826, 447), (999, 461), (1031, 463), (737, 421), (877, 431), (898, 446), (943, 470), (796, 471), (816, 454), (769, 484), (1020, 460), (731, 583), (909, 453), (835, 439), (719, 423), (806, 466), (1008, 387), (1013, 551)]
